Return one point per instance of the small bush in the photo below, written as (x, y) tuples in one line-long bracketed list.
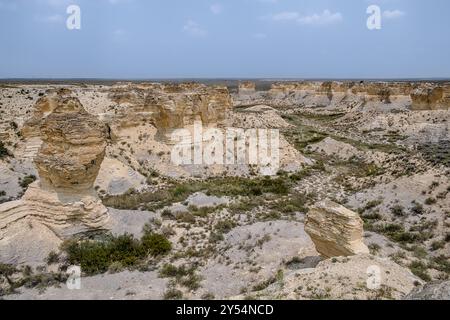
[(417, 209), (3, 151), (156, 244), (26, 181), (436, 245), (183, 275), (52, 258), (430, 201), (398, 210), (97, 256), (420, 269), (173, 294)]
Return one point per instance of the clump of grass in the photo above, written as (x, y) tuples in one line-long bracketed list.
[(420, 269)]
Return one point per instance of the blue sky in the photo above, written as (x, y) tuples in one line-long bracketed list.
[(224, 39)]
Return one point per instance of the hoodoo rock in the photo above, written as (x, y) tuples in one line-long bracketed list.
[(73, 148), (68, 162), (335, 230)]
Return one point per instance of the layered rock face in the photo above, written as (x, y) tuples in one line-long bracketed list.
[(429, 97), (43, 107), (247, 88), (68, 163), (335, 230), (171, 106), (73, 148), (417, 96)]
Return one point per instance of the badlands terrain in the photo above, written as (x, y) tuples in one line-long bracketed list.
[(359, 207)]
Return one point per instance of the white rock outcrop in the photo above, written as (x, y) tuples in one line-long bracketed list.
[(335, 230)]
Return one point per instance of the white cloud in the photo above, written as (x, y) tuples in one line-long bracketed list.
[(325, 18), (393, 14), (54, 18), (216, 8), (193, 29)]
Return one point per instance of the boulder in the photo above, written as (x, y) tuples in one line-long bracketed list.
[(335, 230)]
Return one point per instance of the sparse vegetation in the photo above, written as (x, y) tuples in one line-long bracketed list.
[(96, 256)]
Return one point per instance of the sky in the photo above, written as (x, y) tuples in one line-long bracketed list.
[(145, 39)]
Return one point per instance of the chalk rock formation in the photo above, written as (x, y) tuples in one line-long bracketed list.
[(73, 149), (170, 106), (417, 96), (335, 230), (68, 162), (247, 88), (430, 97), (43, 107)]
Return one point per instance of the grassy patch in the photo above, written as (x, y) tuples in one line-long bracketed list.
[(179, 192)]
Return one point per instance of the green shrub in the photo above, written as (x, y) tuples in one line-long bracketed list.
[(430, 201), (225, 226), (420, 269), (173, 294), (417, 209), (52, 258), (183, 275), (156, 244), (3, 151), (97, 256), (27, 180), (436, 245), (398, 210)]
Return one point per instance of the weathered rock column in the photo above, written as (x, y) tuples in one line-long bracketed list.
[(335, 230)]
